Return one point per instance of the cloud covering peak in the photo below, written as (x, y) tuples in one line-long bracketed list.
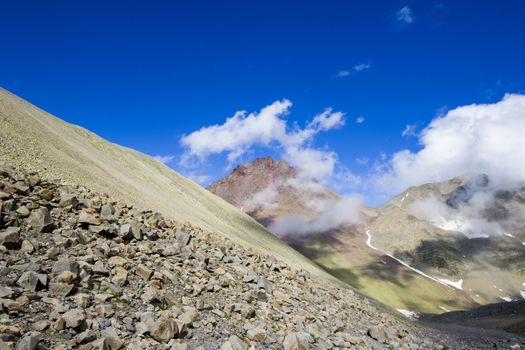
[(478, 138), (268, 128)]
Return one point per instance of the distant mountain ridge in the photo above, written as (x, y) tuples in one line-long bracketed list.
[(342, 251)]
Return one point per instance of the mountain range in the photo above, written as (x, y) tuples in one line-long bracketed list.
[(104, 247), (411, 252)]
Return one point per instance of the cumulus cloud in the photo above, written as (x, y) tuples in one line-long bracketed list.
[(479, 138), (238, 133), (265, 198), (315, 166), (468, 218), (360, 119), (405, 15), (331, 215), (268, 128), (164, 159)]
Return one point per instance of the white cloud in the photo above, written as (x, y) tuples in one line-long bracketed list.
[(479, 138), (468, 218), (410, 130), (327, 120), (342, 74), (268, 128), (360, 119), (405, 15), (331, 215), (164, 159), (355, 69), (362, 66), (238, 133)]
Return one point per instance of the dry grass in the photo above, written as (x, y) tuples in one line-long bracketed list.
[(37, 141)]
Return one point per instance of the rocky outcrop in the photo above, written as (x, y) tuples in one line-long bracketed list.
[(78, 270)]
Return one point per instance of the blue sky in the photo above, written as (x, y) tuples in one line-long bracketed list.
[(144, 73)]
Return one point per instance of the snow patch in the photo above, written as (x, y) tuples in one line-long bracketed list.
[(506, 298), (443, 282), (409, 314), (522, 293), (455, 284), (508, 234), (405, 197), (444, 308), (369, 240)]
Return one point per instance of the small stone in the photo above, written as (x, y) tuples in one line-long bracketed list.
[(23, 211), (27, 246), (88, 218), (60, 290), (10, 238), (99, 344), (107, 211), (263, 283), (66, 276), (120, 276), (179, 346), (81, 299), (31, 281), (65, 265), (126, 232), (117, 261), (152, 235), (234, 343), (74, 318), (105, 310), (40, 325), (164, 330), (247, 311), (40, 220), (112, 339), (28, 341), (5, 292), (86, 337), (378, 333), (257, 333), (182, 237), (68, 199), (102, 230), (143, 272), (297, 341)]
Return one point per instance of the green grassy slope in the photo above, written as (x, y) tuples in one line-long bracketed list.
[(345, 255)]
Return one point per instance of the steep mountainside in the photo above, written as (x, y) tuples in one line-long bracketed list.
[(267, 189), (463, 231), (80, 270), (34, 140)]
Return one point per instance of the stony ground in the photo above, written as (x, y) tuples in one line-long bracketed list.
[(78, 270)]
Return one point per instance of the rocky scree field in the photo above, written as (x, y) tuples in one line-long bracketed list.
[(78, 270)]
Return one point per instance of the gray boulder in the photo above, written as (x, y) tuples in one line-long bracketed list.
[(31, 281), (10, 238), (40, 220)]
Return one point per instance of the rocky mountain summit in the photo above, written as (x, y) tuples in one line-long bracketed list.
[(279, 191), (78, 270)]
